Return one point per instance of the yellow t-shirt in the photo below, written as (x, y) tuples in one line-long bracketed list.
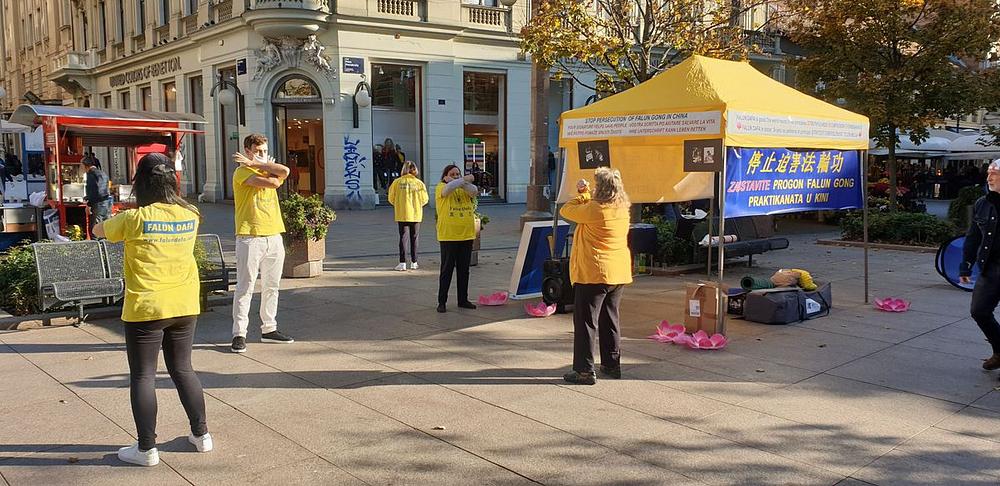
[(455, 215), (408, 195), (257, 210), (161, 275)]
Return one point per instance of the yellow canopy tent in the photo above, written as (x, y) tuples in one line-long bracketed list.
[(642, 131)]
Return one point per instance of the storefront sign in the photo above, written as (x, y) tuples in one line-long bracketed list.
[(775, 180), (649, 125), (354, 65), (146, 72), (743, 123)]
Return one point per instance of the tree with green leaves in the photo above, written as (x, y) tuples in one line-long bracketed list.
[(903, 63), (626, 42)]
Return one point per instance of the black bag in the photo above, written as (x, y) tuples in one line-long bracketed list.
[(787, 305)]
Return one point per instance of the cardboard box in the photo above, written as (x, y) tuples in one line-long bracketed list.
[(701, 307), (18, 227)]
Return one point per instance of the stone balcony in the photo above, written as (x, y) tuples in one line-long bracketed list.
[(486, 18), (292, 18), (72, 71)]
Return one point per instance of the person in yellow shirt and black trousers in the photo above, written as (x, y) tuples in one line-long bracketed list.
[(600, 267), (161, 301), (456, 230), (259, 246), (408, 196)]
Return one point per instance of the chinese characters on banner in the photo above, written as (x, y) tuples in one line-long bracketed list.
[(776, 180)]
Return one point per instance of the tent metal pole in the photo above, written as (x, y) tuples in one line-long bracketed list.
[(555, 203), (863, 155), (720, 314), (711, 213)]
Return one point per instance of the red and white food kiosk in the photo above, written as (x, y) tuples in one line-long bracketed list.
[(68, 131)]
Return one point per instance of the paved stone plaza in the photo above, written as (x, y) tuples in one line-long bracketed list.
[(381, 389)]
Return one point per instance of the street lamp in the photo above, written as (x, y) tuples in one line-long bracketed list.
[(362, 98), (508, 3), (227, 93)]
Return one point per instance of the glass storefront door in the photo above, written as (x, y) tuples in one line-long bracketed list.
[(396, 122), (298, 117), (485, 115)]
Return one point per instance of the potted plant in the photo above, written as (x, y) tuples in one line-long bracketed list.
[(307, 220), (481, 221)]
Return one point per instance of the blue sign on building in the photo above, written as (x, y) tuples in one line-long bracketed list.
[(777, 180), (354, 65)]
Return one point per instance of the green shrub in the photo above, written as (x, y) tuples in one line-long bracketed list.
[(898, 227), (18, 281), (671, 250), (957, 212), (306, 218)]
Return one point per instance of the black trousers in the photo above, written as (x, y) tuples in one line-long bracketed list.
[(143, 341), (414, 235), (455, 257), (985, 297), (595, 318)]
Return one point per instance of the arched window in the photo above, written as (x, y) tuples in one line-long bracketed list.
[(296, 88)]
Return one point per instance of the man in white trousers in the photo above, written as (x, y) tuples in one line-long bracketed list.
[(259, 247)]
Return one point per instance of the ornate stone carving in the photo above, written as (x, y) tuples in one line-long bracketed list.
[(289, 51)]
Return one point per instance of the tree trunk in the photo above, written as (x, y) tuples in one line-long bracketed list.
[(538, 204), (891, 167)]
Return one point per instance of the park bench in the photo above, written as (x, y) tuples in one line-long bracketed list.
[(754, 236), (73, 273), (212, 270)]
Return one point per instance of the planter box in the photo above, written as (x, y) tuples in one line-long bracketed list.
[(304, 259), (476, 244)]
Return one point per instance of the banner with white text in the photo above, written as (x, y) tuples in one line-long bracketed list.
[(777, 180)]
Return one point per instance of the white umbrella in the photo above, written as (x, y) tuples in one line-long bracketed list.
[(973, 147)]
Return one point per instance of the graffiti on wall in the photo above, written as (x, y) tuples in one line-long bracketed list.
[(353, 163)]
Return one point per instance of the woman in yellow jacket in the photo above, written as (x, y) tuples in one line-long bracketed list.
[(456, 229), (600, 267), (408, 196)]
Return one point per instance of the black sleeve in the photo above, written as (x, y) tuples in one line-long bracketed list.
[(973, 237)]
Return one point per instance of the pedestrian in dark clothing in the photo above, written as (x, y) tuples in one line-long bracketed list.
[(98, 196), (980, 247)]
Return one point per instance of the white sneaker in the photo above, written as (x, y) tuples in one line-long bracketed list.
[(414, 266), (203, 443), (133, 455), (401, 267)]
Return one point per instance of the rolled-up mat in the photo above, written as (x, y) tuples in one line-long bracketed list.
[(754, 283)]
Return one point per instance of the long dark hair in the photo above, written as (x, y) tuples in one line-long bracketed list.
[(155, 181), (447, 169)]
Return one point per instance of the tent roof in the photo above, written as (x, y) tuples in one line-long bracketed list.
[(705, 84), (8, 127)]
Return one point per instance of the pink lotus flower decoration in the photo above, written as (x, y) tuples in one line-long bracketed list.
[(540, 310), (891, 304), (701, 340), (668, 333), (496, 298)]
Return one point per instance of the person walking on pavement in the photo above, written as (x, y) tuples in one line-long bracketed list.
[(980, 247), (600, 267), (259, 246), (97, 195), (161, 302), (456, 230), (408, 196)]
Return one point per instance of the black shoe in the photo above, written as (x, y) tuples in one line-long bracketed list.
[(580, 378), (442, 309), (992, 363), (239, 345), (612, 371), (276, 337), (467, 305)]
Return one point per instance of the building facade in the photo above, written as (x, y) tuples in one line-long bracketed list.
[(446, 81)]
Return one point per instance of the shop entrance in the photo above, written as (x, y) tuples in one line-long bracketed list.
[(298, 128)]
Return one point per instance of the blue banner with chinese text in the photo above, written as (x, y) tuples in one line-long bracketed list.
[(777, 180)]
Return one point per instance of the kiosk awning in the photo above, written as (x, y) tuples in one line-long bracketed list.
[(29, 114)]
